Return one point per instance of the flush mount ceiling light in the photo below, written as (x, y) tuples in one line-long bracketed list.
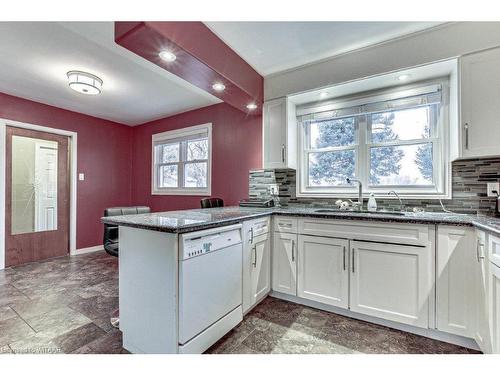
[(251, 106), (404, 77), (167, 56), (218, 86), (84, 83)]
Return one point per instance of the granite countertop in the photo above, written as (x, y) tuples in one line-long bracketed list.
[(198, 219)]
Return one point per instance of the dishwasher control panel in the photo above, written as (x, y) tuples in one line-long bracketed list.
[(193, 246)]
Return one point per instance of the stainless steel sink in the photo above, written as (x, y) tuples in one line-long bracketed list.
[(332, 210)]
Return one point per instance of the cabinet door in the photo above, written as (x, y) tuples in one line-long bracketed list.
[(323, 274), (494, 300), (455, 281), (392, 282), (275, 127), (260, 271), (482, 329), (480, 104), (285, 263)]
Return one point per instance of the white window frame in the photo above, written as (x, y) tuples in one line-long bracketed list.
[(441, 188), (170, 135)]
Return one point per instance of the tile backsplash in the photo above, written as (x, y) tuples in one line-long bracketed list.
[(469, 179)]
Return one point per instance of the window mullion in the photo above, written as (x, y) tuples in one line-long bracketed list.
[(362, 164)]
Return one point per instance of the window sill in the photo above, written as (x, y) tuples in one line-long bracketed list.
[(378, 195), (198, 192)]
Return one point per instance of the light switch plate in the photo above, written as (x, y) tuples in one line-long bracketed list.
[(493, 186), (81, 176), (273, 189)]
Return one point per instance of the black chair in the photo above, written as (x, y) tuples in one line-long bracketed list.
[(211, 202), (110, 240)]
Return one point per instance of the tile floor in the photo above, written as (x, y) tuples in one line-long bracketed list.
[(62, 305)]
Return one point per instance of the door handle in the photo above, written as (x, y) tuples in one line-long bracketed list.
[(352, 251), (466, 128), (343, 258), (255, 257), (293, 251), (282, 153)]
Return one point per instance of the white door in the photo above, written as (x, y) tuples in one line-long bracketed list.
[(285, 263), (392, 282), (260, 268), (45, 187), (455, 281), (480, 103), (494, 300), (323, 273), (274, 117)]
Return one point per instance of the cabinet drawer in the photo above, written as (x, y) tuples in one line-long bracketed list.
[(494, 250), (409, 234), (285, 224), (260, 226)]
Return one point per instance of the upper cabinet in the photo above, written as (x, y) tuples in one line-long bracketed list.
[(480, 104), (280, 134)]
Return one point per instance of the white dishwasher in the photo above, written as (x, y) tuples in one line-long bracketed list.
[(210, 286)]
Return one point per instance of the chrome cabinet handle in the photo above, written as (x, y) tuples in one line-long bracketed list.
[(480, 255), (344, 258), (352, 250), (466, 127), (283, 153), (251, 235), (293, 251), (255, 257)]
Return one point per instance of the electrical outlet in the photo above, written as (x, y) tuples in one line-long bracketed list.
[(273, 189), (493, 186)]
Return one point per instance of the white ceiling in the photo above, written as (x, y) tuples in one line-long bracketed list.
[(271, 47), (35, 57)]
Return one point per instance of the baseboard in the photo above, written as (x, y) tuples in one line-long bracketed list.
[(431, 333), (86, 250)]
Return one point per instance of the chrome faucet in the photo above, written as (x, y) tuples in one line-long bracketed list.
[(401, 205), (359, 203)]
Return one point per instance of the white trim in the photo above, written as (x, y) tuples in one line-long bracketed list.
[(86, 250), (73, 180), (179, 133)]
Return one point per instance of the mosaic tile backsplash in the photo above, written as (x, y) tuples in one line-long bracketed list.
[(469, 179)]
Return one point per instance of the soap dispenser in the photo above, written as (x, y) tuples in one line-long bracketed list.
[(372, 203)]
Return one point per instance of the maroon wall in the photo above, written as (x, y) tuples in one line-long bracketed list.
[(103, 154), (236, 148)]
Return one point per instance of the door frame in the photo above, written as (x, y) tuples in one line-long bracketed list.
[(72, 136)]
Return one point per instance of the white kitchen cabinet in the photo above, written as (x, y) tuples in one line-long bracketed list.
[(279, 134), (455, 280), (494, 307), (480, 104), (256, 262), (284, 262), (392, 282), (482, 326), (323, 273), (494, 249)]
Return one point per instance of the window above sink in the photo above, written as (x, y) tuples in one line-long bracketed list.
[(391, 139)]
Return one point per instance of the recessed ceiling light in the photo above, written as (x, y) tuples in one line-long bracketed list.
[(167, 56), (323, 95), (218, 86), (84, 83), (404, 77), (251, 106)]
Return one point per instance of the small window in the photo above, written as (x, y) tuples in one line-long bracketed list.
[(181, 161), (390, 140)]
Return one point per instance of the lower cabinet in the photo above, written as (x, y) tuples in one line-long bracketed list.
[(256, 262), (323, 274), (284, 262), (456, 276), (482, 333), (392, 282), (494, 307)]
